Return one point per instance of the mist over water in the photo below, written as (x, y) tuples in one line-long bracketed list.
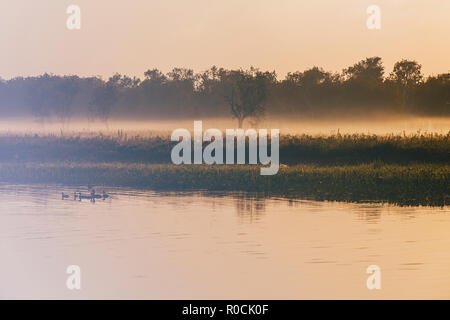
[(379, 125), (142, 244)]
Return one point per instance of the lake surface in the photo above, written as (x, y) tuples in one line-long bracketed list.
[(149, 245)]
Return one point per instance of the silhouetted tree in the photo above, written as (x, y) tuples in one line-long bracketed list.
[(363, 82), (103, 99), (433, 95), (406, 75), (247, 94), (181, 86), (65, 92), (311, 86)]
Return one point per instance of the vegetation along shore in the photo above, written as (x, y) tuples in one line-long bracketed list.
[(406, 170)]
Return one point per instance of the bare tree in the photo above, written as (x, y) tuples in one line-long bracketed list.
[(247, 93)]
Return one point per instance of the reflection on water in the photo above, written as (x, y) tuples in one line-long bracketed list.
[(143, 244)]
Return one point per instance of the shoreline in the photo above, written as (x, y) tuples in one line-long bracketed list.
[(412, 184)]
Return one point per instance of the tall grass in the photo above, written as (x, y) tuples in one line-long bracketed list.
[(419, 184), (404, 169), (325, 150)]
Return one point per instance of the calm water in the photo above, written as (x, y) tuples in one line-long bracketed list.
[(187, 246)]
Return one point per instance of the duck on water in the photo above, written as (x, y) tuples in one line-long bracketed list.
[(91, 196)]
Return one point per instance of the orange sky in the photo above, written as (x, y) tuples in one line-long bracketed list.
[(283, 35)]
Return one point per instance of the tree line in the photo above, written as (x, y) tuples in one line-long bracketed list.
[(242, 94)]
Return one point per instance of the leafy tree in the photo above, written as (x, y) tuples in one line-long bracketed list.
[(103, 99), (181, 86), (363, 82), (433, 95), (310, 85), (406, 76), (248, 93), (154, 89), (64, 94), (368, 71), (155, 76), (36, 97)]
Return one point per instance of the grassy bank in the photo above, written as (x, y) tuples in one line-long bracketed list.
[(324, 150), (415, 184), (406, 169)]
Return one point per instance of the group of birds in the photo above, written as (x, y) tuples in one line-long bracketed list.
[(92, 196)]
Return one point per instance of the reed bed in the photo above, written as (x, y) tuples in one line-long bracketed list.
[(404, 169), (415, 184), (294, 149)]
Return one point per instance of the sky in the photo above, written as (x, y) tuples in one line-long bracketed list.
[(133, 36)]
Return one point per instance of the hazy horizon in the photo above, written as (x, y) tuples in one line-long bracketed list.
[(288, 125), (272, 35)]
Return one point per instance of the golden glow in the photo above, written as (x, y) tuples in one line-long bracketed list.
[(285, 35)]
